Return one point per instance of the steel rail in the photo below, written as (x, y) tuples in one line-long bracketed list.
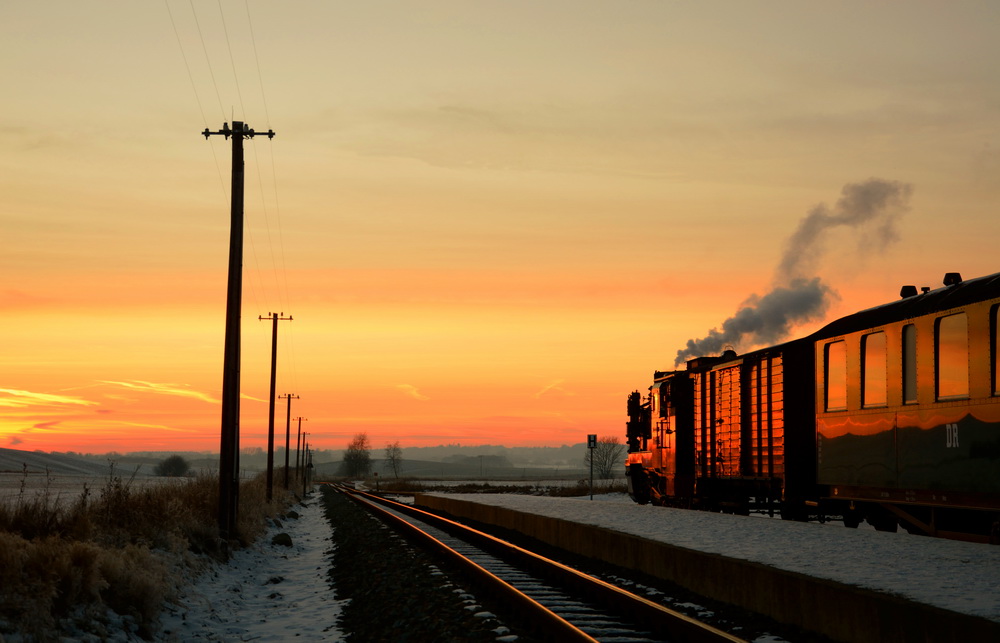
[(547, 623), (659, 619)]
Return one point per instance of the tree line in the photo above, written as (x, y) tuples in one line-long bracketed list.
[(357, 462)]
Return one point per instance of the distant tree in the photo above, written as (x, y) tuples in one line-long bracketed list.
[(607, 456), (393, 457), (174, 467), (357, 461)]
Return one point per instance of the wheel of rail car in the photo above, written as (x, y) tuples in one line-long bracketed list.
[(995, 531), (638, 484), (794, 512), (882, 520), (852, 519)]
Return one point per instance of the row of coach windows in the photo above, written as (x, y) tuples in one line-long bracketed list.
[(951, 354)]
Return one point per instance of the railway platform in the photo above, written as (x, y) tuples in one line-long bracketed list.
[(838, 610)]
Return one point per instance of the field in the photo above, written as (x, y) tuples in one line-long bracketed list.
[(86, 551)]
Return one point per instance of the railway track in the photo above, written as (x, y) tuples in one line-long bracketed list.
[(548, 599)]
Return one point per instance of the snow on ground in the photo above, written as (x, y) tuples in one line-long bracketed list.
[(266, 592), (958, 576)]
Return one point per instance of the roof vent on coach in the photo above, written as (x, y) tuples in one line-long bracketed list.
[(907, 291), (952, 278)]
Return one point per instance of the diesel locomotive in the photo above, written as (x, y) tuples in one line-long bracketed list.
[(890, 415)]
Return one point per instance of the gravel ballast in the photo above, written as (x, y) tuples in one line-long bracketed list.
[(396, 592)]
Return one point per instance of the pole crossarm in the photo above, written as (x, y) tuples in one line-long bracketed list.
[(238, 127)]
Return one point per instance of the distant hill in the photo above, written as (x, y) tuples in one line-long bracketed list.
[(14, 461), (449, 462)]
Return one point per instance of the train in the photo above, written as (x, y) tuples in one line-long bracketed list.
[(890, 416)]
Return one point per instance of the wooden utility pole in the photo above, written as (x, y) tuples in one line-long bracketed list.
[(298, 443), (274, 317), (229, 451), (288, 432), (305, 471)]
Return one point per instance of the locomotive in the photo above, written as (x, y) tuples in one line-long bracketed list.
[(890, 415)]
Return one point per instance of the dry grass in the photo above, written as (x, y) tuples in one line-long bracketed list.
[(62, 565)]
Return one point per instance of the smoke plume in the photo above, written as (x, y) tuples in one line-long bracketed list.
[(870, 209)]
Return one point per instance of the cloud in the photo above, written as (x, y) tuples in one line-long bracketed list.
[(182, 390), (19, 399), (411, 391), (553, 387), (161, 427)]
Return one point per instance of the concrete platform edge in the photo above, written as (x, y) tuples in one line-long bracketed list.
[(836, 610)]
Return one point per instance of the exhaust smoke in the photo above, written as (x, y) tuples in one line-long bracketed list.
[(870, 209)]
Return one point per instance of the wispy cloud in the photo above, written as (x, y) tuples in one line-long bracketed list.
[(161, 427), (411, 391), (17, 398), (553, 387), (181, 390)]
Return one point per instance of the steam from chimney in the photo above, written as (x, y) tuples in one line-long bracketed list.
[(871, 209)]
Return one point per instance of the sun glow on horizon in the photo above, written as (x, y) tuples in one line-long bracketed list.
[(484, 234)]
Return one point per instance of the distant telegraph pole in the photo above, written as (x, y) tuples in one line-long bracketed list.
[(229, 452), (288, 432), (298, 444), (274, 317)]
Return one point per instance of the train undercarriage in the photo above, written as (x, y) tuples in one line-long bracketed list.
[(743, 496)]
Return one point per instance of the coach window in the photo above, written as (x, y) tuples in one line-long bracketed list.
[(836, 376), (909, 364), (873, 353), (952, 357)]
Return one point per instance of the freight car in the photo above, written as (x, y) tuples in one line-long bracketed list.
[(890, 415)]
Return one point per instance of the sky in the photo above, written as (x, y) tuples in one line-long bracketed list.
[(490, 221)]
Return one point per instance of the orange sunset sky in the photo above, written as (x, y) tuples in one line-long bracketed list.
[(490, 221)]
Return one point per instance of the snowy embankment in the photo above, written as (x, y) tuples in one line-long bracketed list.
[(267, 592), (958, 576)]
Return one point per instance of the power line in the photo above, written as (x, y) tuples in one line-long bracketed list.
[(281, 285), (197, 97), (180, 45), (232, 60), (208, 61), (260, 76)]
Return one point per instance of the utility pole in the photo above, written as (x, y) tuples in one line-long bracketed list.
[(229, 451), (298, 444), (288, 432), (305, 471), (270, 422)]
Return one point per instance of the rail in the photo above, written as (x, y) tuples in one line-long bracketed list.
[(648, 615)]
